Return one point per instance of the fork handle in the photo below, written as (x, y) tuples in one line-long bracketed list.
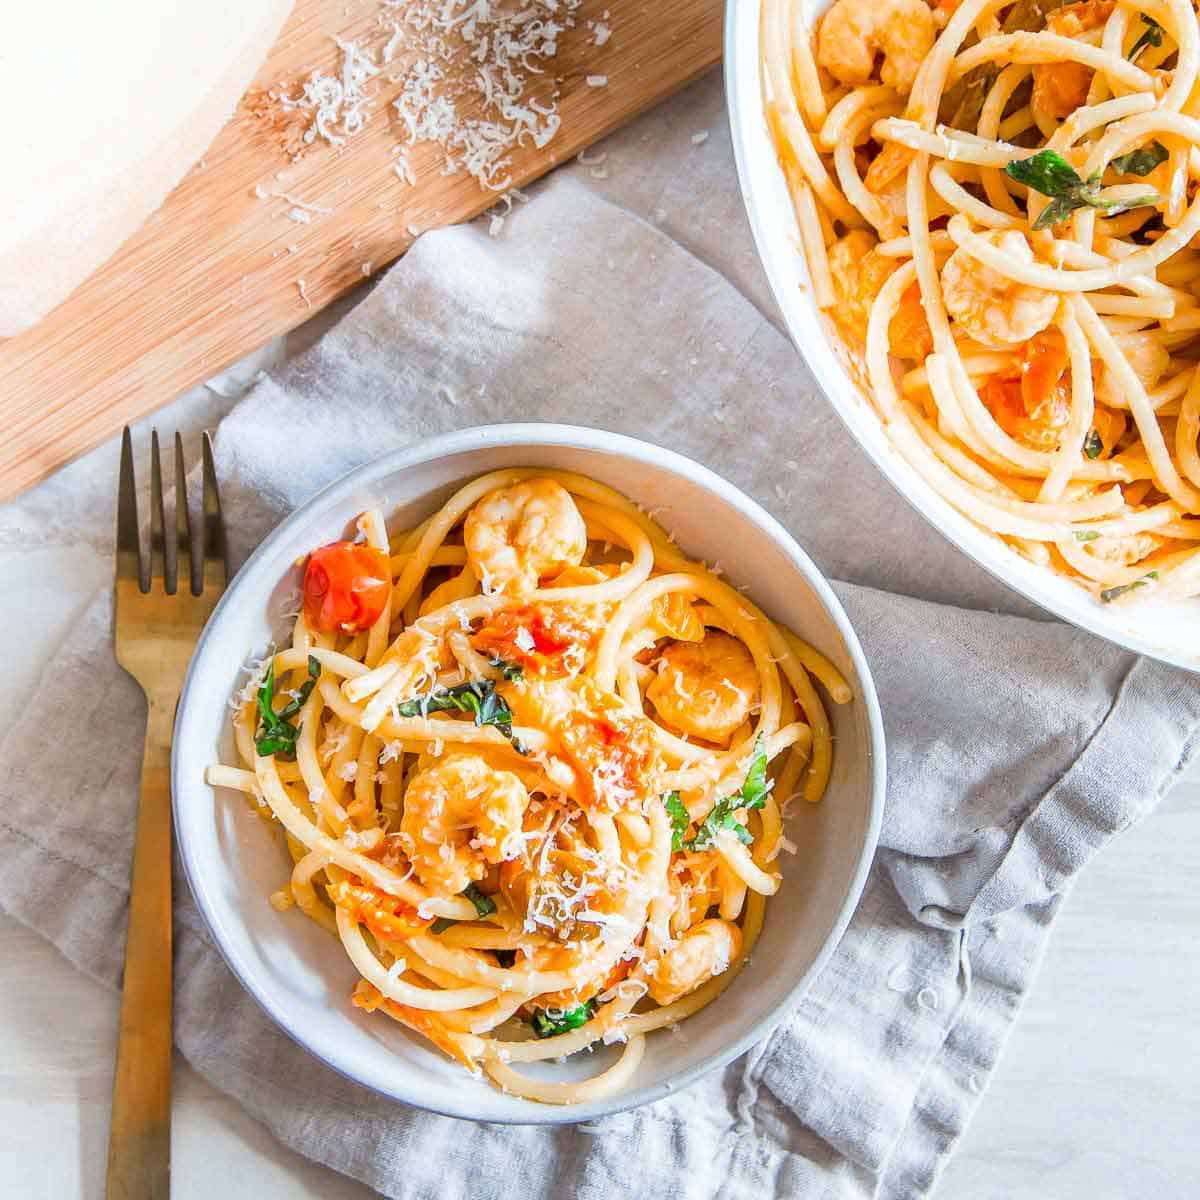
[(139, 1146)]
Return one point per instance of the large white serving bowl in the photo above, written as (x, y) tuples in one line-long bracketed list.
[(1169, 631), (301, 975)]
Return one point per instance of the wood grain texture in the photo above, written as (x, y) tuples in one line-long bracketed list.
[(214, 273)]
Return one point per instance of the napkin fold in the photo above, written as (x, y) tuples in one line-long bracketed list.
[(1017, 746)]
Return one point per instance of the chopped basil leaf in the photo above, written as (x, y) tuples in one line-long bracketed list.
[(1093, 445), (1045, 172), (1110, 594), (512, 671), (442, 924), (1086, 535), (1051, 175), (1152, 35), (276, 735), (505, 958), (679, 819), (1141, 161), (545, 1026), (484, 905), (478, 697), (752, 794)]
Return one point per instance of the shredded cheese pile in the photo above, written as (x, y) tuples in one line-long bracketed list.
[(473, 77)]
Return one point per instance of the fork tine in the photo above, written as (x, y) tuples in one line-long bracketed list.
[(129, 551), (184, 533), (162, 561), (216, 565)]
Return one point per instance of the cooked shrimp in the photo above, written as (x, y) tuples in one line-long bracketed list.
[(459, 816), (859, 272), (995, 310), (1149, 359), (888, 166), (705, 688), (1060, 88), (705, 950), (518, 535), (853, 32)]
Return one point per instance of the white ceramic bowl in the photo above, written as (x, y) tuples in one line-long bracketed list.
[(1163, 630), (301, 975)]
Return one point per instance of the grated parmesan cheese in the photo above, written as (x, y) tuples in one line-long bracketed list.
[(478, 116)]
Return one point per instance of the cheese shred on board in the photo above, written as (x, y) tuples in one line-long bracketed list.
[(472, 75)]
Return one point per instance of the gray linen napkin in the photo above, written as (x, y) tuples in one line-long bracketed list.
[(1016, 746)]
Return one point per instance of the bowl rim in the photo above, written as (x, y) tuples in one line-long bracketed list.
[(516, 436), (747, 123)]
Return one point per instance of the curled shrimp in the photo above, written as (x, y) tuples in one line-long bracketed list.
[(1149, 359), (859, 271), (519, 535), (705, 688), (854, 32), (705, 950), (460, 816), (993, 309)]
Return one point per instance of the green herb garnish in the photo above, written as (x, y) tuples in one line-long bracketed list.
[(1152, 35), (276, 735), (479, 697), (679, 819), (1093, 445), (484, 905), (753, 794), (1110, 594), (545, 1026), (505, 958), (1141, 161), (512, 671), (1051, 175), (1086, 535)]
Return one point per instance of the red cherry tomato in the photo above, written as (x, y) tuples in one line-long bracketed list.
[(346, 585)]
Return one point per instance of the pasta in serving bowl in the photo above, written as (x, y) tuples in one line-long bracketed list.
[(978, 220), (530, 758)]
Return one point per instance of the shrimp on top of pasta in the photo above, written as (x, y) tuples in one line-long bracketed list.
[(998, 201), (531, 763)]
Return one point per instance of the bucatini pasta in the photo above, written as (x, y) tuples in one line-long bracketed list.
[(531, 764), (998, 201)]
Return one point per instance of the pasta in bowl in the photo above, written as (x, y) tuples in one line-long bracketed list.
[(533, 789), (995, 202)]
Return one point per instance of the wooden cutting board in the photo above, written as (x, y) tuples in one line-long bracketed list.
[(216, 272)]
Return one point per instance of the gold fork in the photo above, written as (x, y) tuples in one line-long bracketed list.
[(157, 624)]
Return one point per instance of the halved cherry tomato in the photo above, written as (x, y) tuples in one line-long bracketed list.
[(1034, 404), (346, 585)]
